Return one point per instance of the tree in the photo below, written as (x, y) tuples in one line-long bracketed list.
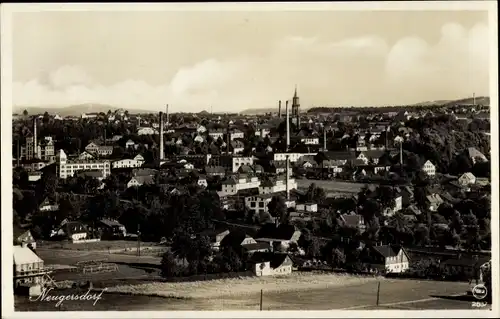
[(422, 235), (336, 258), (169, 266), (25, 113), (277, 208)]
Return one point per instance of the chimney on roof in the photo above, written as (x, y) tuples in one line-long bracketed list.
[(287, 127), (161, 137)]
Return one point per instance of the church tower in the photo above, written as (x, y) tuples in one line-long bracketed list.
[(296, 109)]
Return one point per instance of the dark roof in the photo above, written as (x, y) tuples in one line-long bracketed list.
[(283, 231), (233, 239), (467, 261), (111, 223), (339, 155), (256, 246), (275, 260), (387, 250)]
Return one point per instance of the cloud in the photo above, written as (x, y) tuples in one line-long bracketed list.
[(357, 71)]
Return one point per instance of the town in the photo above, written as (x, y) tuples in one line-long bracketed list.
[(105, 198)]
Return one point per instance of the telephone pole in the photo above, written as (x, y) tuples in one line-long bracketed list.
[(139, 240)]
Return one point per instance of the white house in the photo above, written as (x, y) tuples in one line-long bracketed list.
[(86, 156), (146, 131), (202, 181), (389, 258), (310, 140), (467, 179), (140, 180), (128, 163), (201, 129), (236, 134), (92, 148), (258, 203), (293, 157), (129, 144), (307, 207), (234, 184), (199, 139), (240, 161), (429, 168), (268, 264)]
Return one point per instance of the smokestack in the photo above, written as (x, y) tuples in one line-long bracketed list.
[(35, 139), (287, 177), (287, 127), (324, 139), (474, 99), (168, 118), (279, 108), (161, 137)]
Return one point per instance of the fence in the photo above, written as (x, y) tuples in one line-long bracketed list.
[(99, 268)]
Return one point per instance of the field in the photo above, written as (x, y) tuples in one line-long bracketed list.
[(293, 293), (332, 186)]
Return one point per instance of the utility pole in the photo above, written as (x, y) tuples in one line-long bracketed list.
[(18, 152), (139, 240)]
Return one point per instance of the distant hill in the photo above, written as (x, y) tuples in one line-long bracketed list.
[(482, 100), (75, 110)]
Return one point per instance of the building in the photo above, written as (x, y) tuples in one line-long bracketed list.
[(72, 230), (111, 229), (137, 161), (137, 181), (236, 134), (467, 179), (235, 183), (23, 237), (216, 134), (258, 203), (146, 131), (279, 237), (130, 144), (29, 269), (48, 206), (105, 150), (67, 168), (433, 202), (275, 185), (295, 109), (389, 258), (429, 168), (215, 237), (44, 149), (269, 264), (292, 157)]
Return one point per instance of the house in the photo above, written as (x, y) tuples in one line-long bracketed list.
[(236, 134), (388, 258), (48, 205), (105, 150), (269, 264), (137, 161), (146, 131), (215, 171), (371, 156), (140, 180), (475, 156), (29, 269), (72, 230), (23, 237), (86, 156), (465, 266), (92, 148), (433, 202), (111, 229), (353, 220), (34, 176), (130, 144), (429, 168), (202, 181), (279, 237), (466, 179), (215, 236), (307, 207), (237, 146)]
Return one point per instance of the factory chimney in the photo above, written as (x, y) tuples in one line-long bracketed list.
[(324, 139), (287, 127), (35, 138), (161, 137), (279, 109), (288, 177), (168, 118), (474, 99)]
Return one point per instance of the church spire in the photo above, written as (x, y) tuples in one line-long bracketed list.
[(295, 94)]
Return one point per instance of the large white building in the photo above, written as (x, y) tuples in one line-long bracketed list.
[(137, 161), (67, 168), (293, 157), (429, 168), (236, 183)]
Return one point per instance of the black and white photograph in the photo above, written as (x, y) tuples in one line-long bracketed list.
[(261, 157)]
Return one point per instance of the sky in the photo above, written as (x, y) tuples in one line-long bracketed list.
[(236, 60)]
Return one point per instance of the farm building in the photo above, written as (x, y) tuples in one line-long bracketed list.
[(111, 229), (268, 264), (23, 237), (28, 267)]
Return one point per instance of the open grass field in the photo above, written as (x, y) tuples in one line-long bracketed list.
[(103, 245), (332, 186), (334, 294)]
